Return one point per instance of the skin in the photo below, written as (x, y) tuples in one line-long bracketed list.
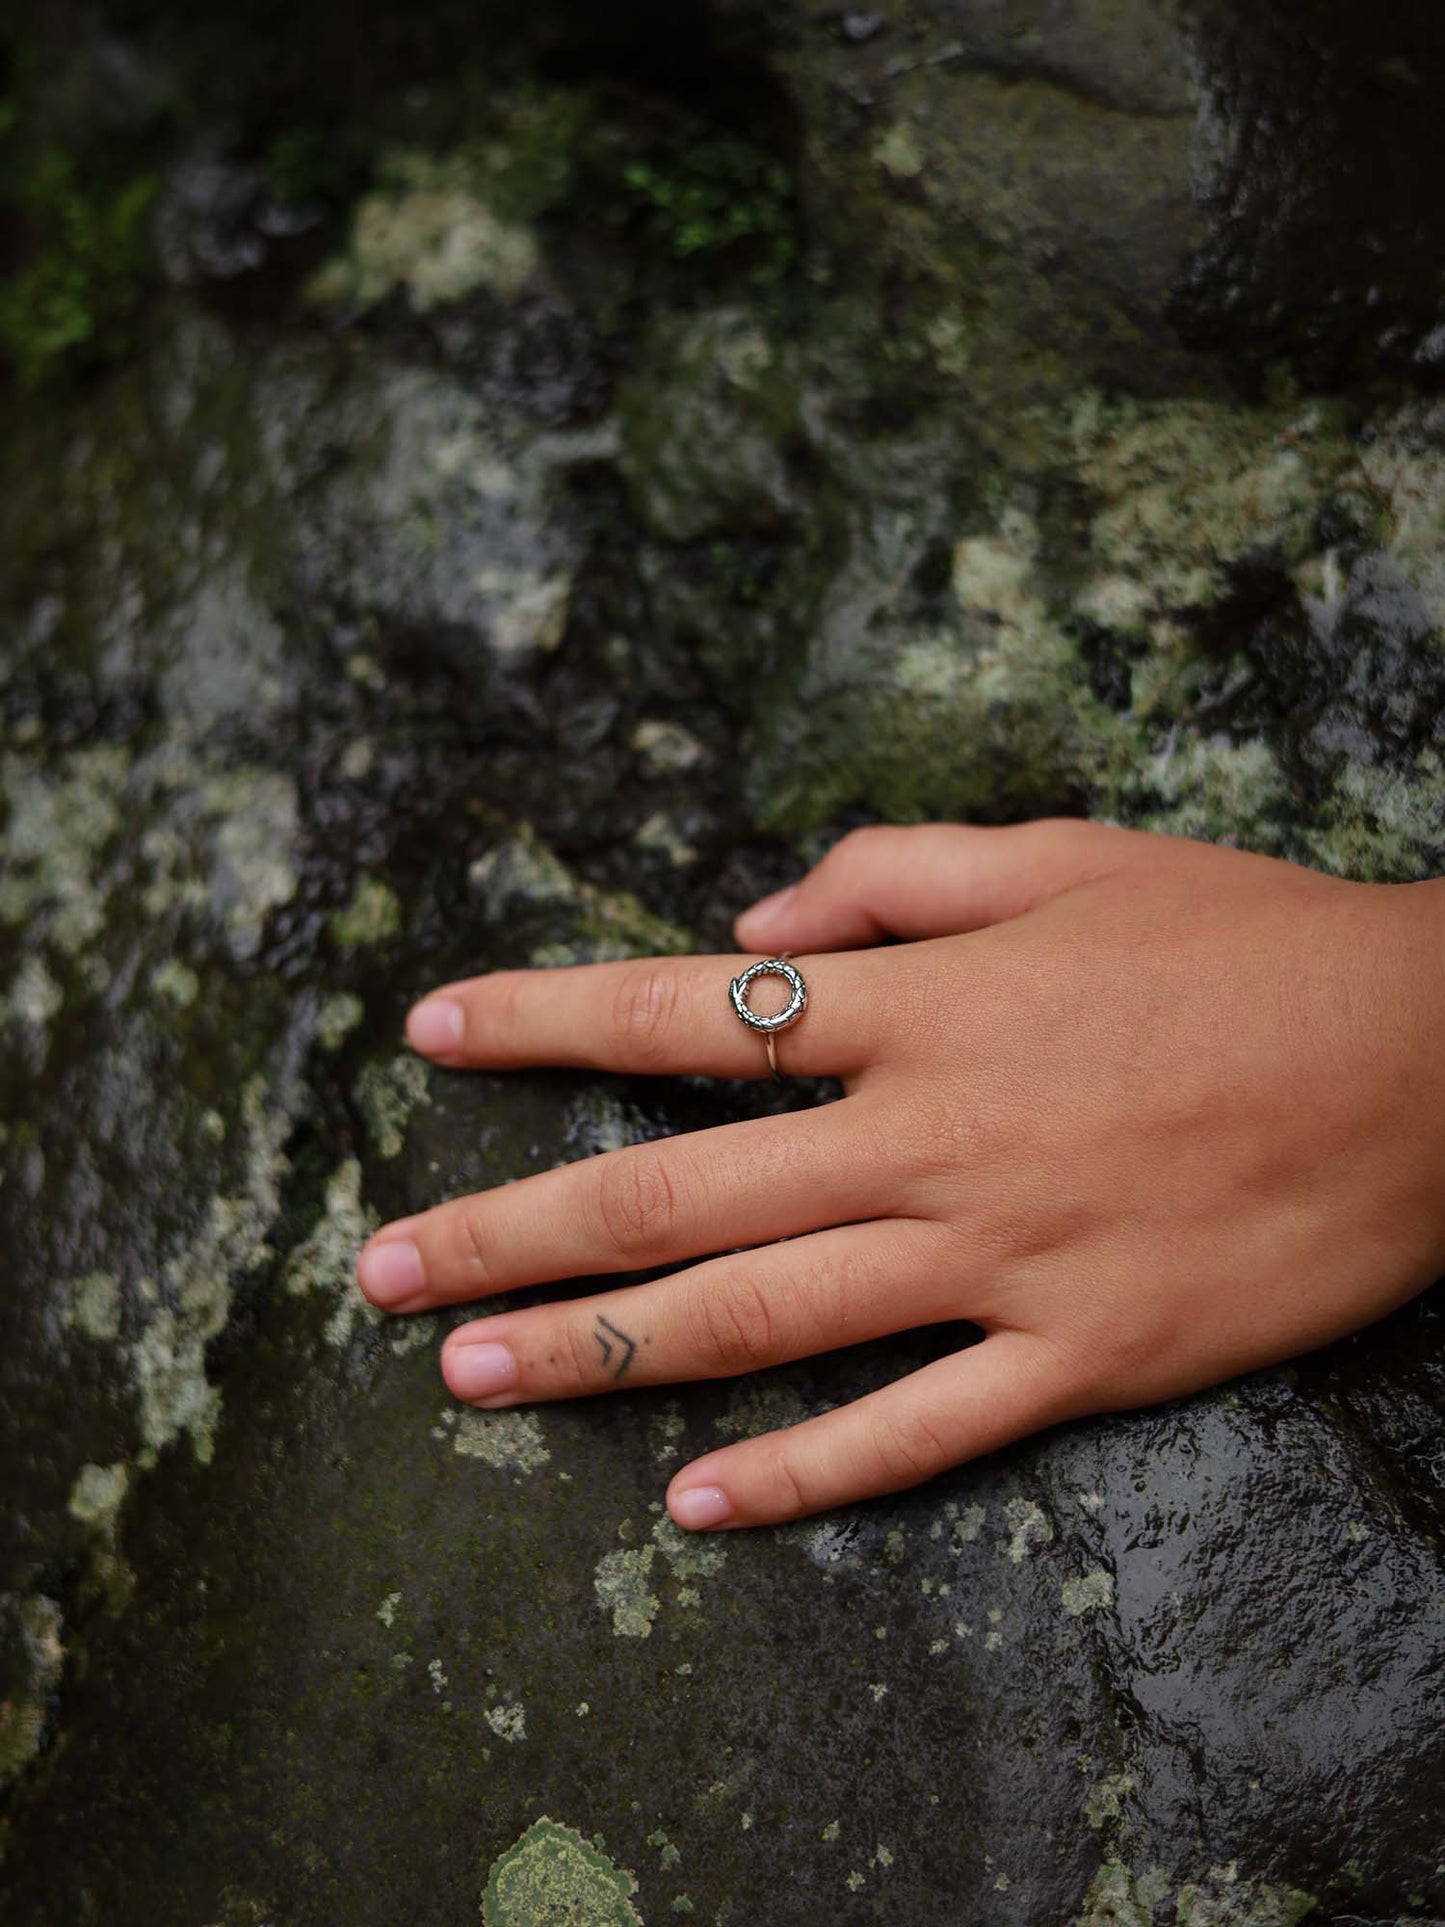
[(1148, 1112)]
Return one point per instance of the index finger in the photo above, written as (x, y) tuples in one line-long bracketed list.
[(656, 1015)]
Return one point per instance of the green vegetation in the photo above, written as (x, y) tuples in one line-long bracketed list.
[(86, 258), (717, 193)]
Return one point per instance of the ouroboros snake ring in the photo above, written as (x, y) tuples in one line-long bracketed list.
[(768, 1027)]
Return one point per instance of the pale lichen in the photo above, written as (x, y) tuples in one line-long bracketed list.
[(507, 1441), (176, 982), (97, 1495), (253, 871), (60, 821), (1105, 1799), (387, 1093), (37, 1622), (520, 873), (372, 915), (33, 999), (96, 1498), (1029, 1528), (553, 1875), (326, 1260), (95, 1304), (666, 748), (622, 1588), (427, 232), (337, 1018), (1089, 1592), (508, 1722), (527, 607), (1119, 1897), (193, 1301)]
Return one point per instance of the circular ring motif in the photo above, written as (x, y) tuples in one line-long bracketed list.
[(790, 1013)]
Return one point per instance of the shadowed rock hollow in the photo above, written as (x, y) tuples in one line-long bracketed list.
[(559, 469)]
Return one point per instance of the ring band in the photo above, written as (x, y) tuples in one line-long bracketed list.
[(768, 1027)]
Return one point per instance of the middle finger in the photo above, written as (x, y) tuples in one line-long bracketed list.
[(650, 1204)]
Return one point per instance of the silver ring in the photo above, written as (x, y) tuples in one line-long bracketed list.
[(768, 1027)]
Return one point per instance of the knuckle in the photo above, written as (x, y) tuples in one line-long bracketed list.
[(1075, 838), (734, 1324), (788, 1489), (646, 1012), (579, 1358), (474, 1243), (861, 848), (909, 1448), (636, 1202)]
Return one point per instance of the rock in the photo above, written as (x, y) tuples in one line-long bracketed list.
[(546, 602)]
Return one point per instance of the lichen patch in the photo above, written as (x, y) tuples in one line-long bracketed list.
[(506, 1441), (553, 1877)]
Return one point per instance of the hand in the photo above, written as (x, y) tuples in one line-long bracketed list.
[(1148, 1112)]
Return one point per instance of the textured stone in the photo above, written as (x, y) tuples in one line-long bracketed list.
[(346, 657)]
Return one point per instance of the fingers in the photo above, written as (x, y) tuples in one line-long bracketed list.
[(659, 1015), (932, 881), (952, 1410), (716, 1320), (629, 1210)]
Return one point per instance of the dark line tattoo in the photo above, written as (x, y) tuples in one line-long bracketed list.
[(608, 1337)]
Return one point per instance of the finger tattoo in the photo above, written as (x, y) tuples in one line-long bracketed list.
[(612, 1340)]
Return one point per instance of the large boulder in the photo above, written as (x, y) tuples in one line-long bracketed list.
[(863, 415)]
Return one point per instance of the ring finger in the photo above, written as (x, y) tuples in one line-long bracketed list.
[(660, 1016), (732, 1315), (650, 1204)]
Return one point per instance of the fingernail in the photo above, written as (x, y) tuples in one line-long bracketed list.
[(436, 1027), (390, 1271), (699, 1507), (766, 913), (480, 1371)]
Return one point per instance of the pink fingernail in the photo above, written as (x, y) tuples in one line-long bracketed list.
[(699, 1507), (436, 1027), (390, 1271), (765, 914), (480, 1371)]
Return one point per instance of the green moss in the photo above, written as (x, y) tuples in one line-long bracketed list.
[(717, 194), (85, 265)]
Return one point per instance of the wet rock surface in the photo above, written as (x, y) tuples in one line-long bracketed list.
[(675, 444)]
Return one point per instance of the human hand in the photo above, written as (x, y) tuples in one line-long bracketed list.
[(1148, 1112)]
